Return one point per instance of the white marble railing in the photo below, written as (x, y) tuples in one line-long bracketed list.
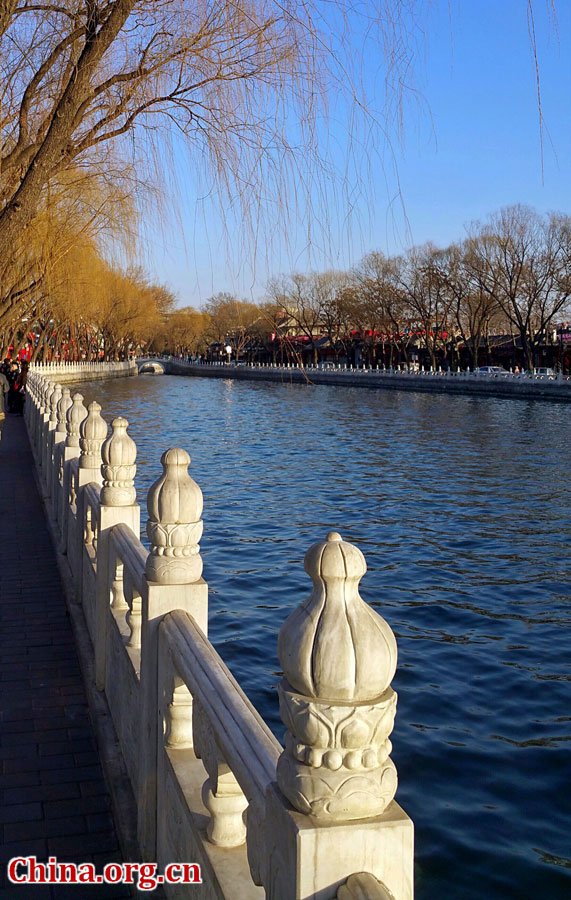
[(212, 784), (84, 371), (427, 372)]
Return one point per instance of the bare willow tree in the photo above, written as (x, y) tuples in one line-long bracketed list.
[(422, 280), (381, 309), (79, 210), (183, 331), (300, 301), (476, 311), (243, 83), (329, 292), (523, 261), (231, 322)]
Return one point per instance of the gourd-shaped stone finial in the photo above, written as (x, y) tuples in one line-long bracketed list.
[(118, 468), (338, 657), (75, 415), (92, 433), (334, 645), (64, 404), (55, 397), (174, 527), (46, 391)]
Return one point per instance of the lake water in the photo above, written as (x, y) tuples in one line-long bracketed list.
[(461, 507)]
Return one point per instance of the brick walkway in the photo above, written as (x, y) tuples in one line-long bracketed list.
[(53, 798)]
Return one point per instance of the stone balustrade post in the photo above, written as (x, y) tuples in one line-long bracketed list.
[(41, 411), (62, 408), (92, 433), (41, 414), (117, 506), (29, 405), (36, 415), (50, 426), (59, 437), (173, 580), (74, 415), (338, 657)]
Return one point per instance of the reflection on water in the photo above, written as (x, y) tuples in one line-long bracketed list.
[(461, 507)]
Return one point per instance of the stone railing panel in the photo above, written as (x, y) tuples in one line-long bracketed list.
[(211, 783), (117, 506), (126, 559), (172, 581), (237, 751), (89, 517)]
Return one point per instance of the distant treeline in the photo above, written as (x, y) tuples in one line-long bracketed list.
[(511, 276)]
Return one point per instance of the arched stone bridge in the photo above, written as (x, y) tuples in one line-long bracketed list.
[(151, 367)]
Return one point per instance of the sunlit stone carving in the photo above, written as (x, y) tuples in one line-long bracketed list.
[(221, 793), (363, 886), (179, 719), (75, 415), (118, 467), (92, 433), (63, 405), (174, 526), (338, 657), (46, 391), (55, 397)]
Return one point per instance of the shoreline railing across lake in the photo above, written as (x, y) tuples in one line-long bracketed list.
[(212, 785), (508, 384), (386, 371)]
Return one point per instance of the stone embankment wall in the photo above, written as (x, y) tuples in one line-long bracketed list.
[(65, 373), (321, 820), (526, 387)]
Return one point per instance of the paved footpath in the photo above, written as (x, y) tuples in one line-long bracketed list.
[(53, 797)]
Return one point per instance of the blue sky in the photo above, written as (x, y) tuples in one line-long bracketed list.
[(469, 146)]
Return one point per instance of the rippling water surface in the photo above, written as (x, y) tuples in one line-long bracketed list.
[(461, 507)]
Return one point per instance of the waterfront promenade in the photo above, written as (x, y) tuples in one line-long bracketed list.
[(480, 608), (53, 797), (195, 751)]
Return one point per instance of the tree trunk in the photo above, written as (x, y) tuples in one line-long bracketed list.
[(53, 150), (7, 8)]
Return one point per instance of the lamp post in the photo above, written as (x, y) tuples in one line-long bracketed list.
[(228, 349)]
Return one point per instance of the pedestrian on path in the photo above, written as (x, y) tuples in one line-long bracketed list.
[(4, 388), (20, 390), (12, 376)]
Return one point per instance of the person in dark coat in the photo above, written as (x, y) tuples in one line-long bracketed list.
[(4, 388), (12, 375), (20, 390)]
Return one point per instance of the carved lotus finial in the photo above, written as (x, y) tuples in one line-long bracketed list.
[(334, 645), (338, 656), (174, 526), (64, 403), (55, 397), (118, 468), (175, 496), (75, 415), (46, 391), (92, 433), (119, 449)]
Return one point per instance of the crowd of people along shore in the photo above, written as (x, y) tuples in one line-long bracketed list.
[(13, 374)]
